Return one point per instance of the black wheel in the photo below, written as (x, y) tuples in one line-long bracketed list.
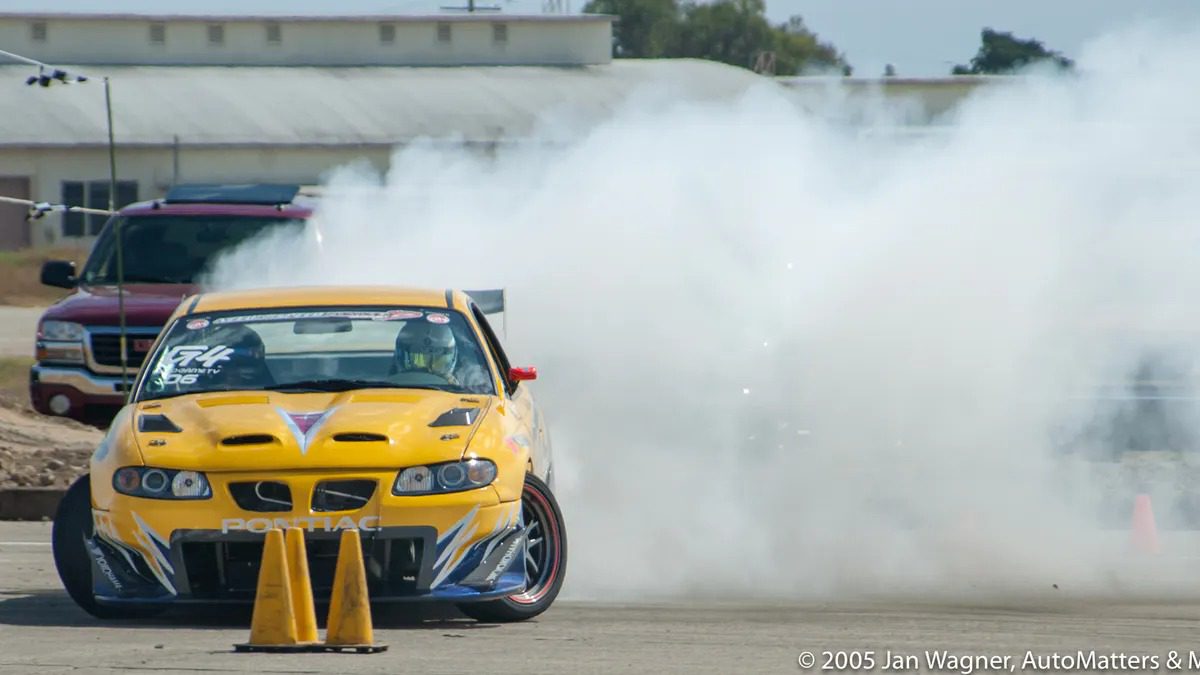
[(72, 525), (545, 560)]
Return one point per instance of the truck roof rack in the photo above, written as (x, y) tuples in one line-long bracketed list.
[(250, 193)]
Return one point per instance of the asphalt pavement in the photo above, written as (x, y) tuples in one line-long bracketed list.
[(41, 631)]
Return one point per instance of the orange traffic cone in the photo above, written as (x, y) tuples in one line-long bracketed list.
[(1144, 536), (302, 595), (349, 627), (273, 625)]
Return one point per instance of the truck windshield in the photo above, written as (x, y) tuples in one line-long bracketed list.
[(171, 249)]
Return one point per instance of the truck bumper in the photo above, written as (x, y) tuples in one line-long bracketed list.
[(76, 393)]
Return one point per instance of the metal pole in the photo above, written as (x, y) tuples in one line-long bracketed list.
[(112, 206)]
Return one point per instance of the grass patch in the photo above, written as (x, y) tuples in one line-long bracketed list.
[(20, 274), (14, 377)]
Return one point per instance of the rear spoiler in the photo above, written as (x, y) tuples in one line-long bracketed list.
[(488, 301)]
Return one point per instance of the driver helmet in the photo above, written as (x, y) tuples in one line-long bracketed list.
[(248, 362), (428, 347)]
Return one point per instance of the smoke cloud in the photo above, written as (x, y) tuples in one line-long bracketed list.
[(781, 357)]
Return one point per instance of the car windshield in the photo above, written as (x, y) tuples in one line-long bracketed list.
[(171, 249), (318, 350)]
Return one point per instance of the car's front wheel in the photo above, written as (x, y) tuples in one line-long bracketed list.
[(545, 560), (72, 527)]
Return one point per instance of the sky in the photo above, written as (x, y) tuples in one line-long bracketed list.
[(920, 38)]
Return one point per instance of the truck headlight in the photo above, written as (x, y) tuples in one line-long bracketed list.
[(59, 352), (448, 477), (60, 331), (60, 342), (152, 483)]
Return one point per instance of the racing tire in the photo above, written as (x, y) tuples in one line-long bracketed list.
[(545, 565), (72, 525)]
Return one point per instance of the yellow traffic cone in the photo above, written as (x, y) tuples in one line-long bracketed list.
[(349, 626), (273, 625), (302, 595)]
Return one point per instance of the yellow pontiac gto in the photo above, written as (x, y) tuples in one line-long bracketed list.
[(391, 411)]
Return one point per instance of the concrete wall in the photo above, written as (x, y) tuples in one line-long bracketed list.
[(473, 40)]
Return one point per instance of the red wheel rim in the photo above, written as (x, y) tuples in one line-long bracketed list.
[(543, 547)]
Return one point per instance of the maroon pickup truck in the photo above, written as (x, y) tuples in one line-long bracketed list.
[(167, 245)]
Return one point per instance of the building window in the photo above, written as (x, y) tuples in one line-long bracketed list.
[(216, 34), (92, 194), (274, 33), (37, 31), (387, 33), (158, 33), (499, 33), (443, 32)]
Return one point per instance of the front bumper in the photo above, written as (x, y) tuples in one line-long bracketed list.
[(92, 398), (460, 547)]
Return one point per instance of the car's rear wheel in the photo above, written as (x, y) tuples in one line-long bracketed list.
[(72, 526), (545, 560)]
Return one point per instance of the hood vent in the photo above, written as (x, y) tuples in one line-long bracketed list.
[(156, 423), (456, 417), (249, 439), (360, 437)]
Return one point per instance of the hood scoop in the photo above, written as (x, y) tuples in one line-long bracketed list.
[(456, 417), (249, 439), (359, 437), (232, 399)]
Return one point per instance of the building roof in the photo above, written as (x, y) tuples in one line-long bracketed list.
[(311, 18), (338, 106)]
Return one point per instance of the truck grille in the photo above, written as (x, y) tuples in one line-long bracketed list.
[(106, 349)]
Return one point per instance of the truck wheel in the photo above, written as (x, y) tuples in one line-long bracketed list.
[(73, 525), (545, 560)]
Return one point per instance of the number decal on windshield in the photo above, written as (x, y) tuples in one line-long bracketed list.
[(208, 357)]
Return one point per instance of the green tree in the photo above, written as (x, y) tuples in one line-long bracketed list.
[(645, 28), (729, 31), (736, 32), (1001, 53), (797, 48)]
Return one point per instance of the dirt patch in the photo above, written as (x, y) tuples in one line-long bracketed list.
[(37, 450), (20, 274), (14, 377), (41, 451)]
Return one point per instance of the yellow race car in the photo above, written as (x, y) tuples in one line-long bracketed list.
[(391, 411)]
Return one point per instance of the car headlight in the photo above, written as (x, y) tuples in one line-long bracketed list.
[(152, 483), (61, 331), (448, 477)]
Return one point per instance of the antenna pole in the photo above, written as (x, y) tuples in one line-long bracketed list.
[(112, 206)]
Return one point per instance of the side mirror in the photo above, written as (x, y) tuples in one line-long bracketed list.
[(522, 374), (59, 273)]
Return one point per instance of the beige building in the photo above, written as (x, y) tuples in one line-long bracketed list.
[(441, 40), (913, 102), (285, 99)]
